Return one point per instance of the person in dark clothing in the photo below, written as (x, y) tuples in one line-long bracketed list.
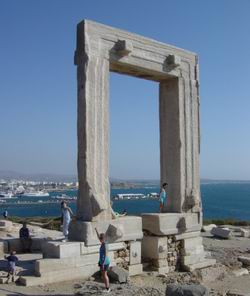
[(12, 260), (5, 214), (25, 238)]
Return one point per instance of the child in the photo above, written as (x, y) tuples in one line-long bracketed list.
[(163, 196), (12, 259), (104, 260)]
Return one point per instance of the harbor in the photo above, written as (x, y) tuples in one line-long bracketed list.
[(128, 196)]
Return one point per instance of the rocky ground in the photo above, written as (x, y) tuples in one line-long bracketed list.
[(222, 279)]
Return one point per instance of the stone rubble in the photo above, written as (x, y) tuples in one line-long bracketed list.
[(96, 289), (186, 290), (244, 233), (118, 274), (225, 233), (208, 228)]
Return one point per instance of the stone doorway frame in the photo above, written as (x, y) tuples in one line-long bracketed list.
[(101, 49)]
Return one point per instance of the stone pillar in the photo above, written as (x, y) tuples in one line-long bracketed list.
[(179, 143), (93, 203), (170, 143)]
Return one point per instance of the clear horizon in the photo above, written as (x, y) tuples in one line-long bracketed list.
[(38, 85)]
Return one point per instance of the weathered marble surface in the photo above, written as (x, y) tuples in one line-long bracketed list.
[(130, 228), (101, 49), (171, 223)]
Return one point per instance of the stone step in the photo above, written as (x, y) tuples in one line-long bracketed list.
[(187, 235), (59, 276), (193, 259), (196, 250), (200, 265), (56, 249), (95, 249), (192, 243), (51, 264), (15, 244)]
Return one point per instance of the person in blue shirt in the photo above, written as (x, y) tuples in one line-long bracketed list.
[(104, 260), (12, 259), (163, 196)]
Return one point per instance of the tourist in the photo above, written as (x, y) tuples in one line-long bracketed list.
[(124, 213), (116, 214), (25, 238), (104, 260), (66, 218), (12, 259), (5, 214), (163, 196)]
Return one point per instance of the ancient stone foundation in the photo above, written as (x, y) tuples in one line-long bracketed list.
[(73, 260), (172, 242)]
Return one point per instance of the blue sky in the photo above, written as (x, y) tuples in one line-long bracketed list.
[(38, 84)]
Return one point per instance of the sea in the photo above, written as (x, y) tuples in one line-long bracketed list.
[(219, 201)]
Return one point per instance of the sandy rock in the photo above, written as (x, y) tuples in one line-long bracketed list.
[(186, 290), (240, 272)]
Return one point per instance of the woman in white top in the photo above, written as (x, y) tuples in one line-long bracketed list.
[(66, 218)]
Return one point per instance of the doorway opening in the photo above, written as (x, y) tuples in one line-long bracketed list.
[(134, 143)]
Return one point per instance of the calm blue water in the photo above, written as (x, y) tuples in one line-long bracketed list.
[(219, 201)]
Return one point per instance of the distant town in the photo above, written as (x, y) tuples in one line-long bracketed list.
[(20, 186), (15, 184), (15, 188)]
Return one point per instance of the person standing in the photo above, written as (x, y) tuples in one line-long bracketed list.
[(12, 260), (5, 214), (66, 218), (163, 196), (104, 260)]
